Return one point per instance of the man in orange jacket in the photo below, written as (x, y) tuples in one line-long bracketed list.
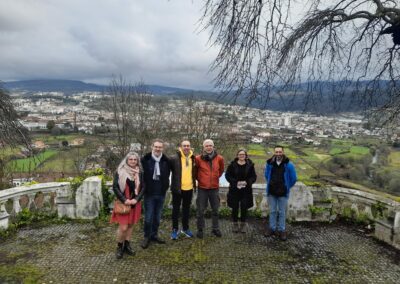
[(210, 166)]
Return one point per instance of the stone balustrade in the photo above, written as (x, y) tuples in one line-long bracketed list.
[(15, 194), (84, 203), (305, 204)]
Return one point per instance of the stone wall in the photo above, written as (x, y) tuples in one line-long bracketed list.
[(305, 204)]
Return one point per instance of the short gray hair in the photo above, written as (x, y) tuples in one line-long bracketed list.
[(207, 141)]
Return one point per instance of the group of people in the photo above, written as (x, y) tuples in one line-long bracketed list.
[(148, 178)]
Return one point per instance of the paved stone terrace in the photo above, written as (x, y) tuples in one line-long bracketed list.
[(314, 253)]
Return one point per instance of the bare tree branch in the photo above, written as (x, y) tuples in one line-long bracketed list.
[(264, 52)]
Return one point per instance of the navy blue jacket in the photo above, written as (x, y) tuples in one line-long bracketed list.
[(148, 164)]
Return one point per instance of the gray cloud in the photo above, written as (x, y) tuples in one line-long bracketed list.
[(153, 40)]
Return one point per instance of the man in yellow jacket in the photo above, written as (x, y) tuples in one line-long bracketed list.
[(182, 185)]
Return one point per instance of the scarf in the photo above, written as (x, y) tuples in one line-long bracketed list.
[(126, 172), (156, 173), (209, 157)]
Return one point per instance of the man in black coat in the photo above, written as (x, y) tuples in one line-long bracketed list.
[(182, 184), (156, 169)]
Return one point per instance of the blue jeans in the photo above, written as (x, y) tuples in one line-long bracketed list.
[(277, 210), (153, 206)]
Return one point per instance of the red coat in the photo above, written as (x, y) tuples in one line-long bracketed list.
[(207, 176)]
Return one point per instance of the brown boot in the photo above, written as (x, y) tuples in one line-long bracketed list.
[(268, 232), (283, 236), (235, 228)]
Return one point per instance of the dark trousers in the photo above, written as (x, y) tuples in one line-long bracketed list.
[(153, 207), (235, 212), (184, 199), (203, 196)]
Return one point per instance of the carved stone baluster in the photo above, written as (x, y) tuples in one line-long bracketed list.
[(47, 201), (4, 216), (264, 205), (16, 206), (32, 204)]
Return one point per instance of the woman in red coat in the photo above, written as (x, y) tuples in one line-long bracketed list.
[(127, 187)]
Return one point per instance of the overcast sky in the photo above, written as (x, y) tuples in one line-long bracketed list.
[(90, 40)]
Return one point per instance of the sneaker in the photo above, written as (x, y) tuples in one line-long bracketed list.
[(200, 234), (187, 233), (174, 234), (217, 233)]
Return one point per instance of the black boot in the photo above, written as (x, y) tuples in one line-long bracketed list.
[(128, 249), (120, 250), (145, 243)]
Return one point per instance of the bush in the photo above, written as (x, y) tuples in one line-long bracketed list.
[(394, 185)]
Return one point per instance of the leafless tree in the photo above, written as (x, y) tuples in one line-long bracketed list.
[(139, 117), (12, 133), (199, 120), (268, 47)]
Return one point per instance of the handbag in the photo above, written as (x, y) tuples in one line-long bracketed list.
[(120, 208)]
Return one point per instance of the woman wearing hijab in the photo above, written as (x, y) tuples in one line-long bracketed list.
[(127, 187), (240, 175)]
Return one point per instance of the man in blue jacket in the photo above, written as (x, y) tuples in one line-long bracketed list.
[(280, 175)]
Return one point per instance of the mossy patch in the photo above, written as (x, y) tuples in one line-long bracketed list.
[(20, 273)]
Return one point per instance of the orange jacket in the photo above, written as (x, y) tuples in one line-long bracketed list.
[(208, 173)]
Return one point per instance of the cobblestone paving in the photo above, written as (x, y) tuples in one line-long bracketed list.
[(84, 253)]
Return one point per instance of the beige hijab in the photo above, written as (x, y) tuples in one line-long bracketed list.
[(126, 172)]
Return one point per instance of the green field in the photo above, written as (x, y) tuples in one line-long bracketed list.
[(359, 150), (31, 163), (50, 139), (394, 159), (8, 151), (64, 161)]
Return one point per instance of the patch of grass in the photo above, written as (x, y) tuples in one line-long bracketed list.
[(32, 219), (360, 150), (50, 139), (322, 157), (256, 150), (338, 150), (316, 210), (8, 151), (64, 161), (31, 163), (394, 159), (20, 273)]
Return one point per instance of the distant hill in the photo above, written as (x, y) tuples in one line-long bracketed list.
[(65, 86), (325, 98), (73, 86)]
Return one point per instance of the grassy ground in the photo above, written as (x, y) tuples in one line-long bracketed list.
[(64, 161), (50, 139), (394, 159), (31, 163)]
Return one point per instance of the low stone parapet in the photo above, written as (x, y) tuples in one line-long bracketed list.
[(15, 194)]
